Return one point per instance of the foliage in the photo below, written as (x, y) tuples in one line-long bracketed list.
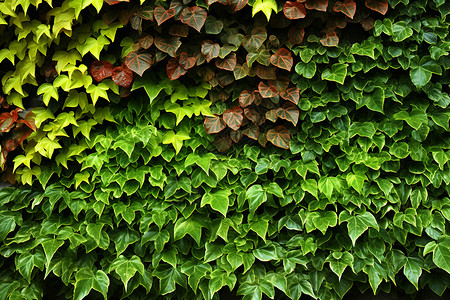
[(339, 181)]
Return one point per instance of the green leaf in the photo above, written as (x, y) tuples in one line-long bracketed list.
[(217, 200), (339, 261), (127, 268), (358, 224), (192, 226), (337, 73), (421, 73), (401, 31), (49, 92), (176, 139), (86, 280), (26, 262), (256, 196), (366, 129), (413, 270), (8, 221), (441, 255)]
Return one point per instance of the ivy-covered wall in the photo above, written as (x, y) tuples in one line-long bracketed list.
[(203, 149)]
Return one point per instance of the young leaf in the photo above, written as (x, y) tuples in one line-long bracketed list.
[(267, 73), (228, 63), (210, 50), (254, 41), (101, 70), (180, 30), (320, 5), (214, 124), (294, 10), (194, 17), (222, 142), (289, 112), (233, 117), (380, 6), (237, 5), (279, 136), (292, 94), (174, 70), (161, 15), (348, 8), (185, 61), (170, 47), (267, 91), (330, 39), (146, 41), (266, 6), (122, 76), (138, 63), (296, 33), (282, 59)]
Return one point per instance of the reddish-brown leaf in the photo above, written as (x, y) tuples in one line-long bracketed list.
[(380, 6), (296, 33), (136, 22), (233, 117), (294, 10), (289, 112), (214, 124), (292, 94), (146, 41), (138, 63), (10, 145), (112, 2), (194, 17), (246, 98), (101, 70), (330, 40), (122, 76), (6, 122), (174, 70), (49, 69), (320, 5), (20, 135), (161, 14), (279, 136), (241, 71), (145, 12), (348, 8), (262, 139), (185, 61), (110, 16), (125, 16), (252, 114), (252, 131), (28, 120), (281, 83), (199, 57), (222, 142), (178, 6), (210, 50), (267, 73), (271, 115), (267, 91), (367, 23), (282, 59), (254, 41), (236, 136), (224, 78), (228, 63), (181, 30), (168, 46), (238, 4)]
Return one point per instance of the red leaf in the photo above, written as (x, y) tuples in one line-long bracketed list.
[(146, 41), (246, 97), (233, 117), (380, 6), (210, 50), (28, 120), (179, 30), (222, 143), (320, 5), (289, 112), (367, 23), (271, 115), (279, 136), (138, 63), (161, 15), (49, 69), (185, 61), (194, 16), (267, 91), (10, 145), (296, 34), (291, 94), (228, 63), (174, 70), (21, 135), (7, 121), (252, 114), (122, 76), (252, 131), (101, 70), (236, 136), (112, 2), (214, 124), (263, 72), (282, 59), (348, 8), (294, 10), (254, 41), (168, 46), (330, 40)]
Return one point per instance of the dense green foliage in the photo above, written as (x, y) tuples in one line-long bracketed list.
[(118, 122)]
